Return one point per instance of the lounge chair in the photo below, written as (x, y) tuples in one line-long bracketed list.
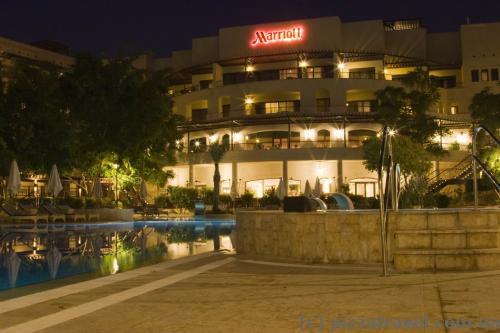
[(54, 213), (20, 215), (71, 214)]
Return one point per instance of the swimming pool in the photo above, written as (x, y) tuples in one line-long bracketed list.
[(34, 253)]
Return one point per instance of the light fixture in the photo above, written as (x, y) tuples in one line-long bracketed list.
[(248, 100), (303, 63), (115, 166), (197, 143), (237, 137), (340, 65), (385, 70), (309, 134), (462, 138), (338, 133), (392, 132), (249, 68), (213, 138)]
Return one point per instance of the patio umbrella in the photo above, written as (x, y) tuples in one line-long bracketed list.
[(14, 180), (53, 260), (144, 190), (234, 190), (97, 189), (54, 186), (317, 188), (281, 190), (307, 190), (12, 263)]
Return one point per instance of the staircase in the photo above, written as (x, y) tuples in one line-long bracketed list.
[(467, 240), (453, 175)]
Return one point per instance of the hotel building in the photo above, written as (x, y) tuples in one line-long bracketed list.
[(295, 100)]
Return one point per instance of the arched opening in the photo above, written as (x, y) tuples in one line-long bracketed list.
[(225, 141), (323, 138), (357, 137)]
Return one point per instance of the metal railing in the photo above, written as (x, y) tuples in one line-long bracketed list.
[(446, 176), (476, 162)]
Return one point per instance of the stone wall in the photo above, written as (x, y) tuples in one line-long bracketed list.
[(354, 236)]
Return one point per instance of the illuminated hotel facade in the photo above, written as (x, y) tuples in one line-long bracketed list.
[(295, 100)]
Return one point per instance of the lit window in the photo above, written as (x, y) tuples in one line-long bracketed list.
[(277, 107), (454, 109), (484, 75), (314, 72), (291, 73)]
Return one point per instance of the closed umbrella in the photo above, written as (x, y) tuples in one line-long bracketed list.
[(307, 190), (14, 180), (54, 186), (317, 188), (281, 193), (97, 189), (12, 263), (234, 190), (53, 260), (144, 191)]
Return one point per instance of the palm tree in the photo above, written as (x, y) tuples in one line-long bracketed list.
[(217, 152)]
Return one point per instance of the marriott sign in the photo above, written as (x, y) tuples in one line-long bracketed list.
[(277, 36)]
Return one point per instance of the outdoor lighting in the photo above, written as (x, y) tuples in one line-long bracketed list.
[(177, 142), (249, 68), (385, 70), (115, 166), (340, 65), (338, 134), (246, 137), (462, 138), (320, 171), (258, 141), (237, 137), (309, 134), (197, 143), (213, 138), (248, 100), (303, 64), (392, 132)]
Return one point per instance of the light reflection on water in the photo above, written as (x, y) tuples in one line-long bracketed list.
[(33, 253)]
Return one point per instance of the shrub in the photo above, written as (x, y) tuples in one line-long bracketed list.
[(162, 201), (247, 199), (361, 202), (225, 200), (207, 195), (75, 203), (270, 199), (454, 146), (182, 197)]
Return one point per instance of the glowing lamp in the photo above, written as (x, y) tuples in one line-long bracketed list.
[(309, 134), (303, 64), (338, 134), (249, 68), (340, 65), (248, 100), (237, 137)]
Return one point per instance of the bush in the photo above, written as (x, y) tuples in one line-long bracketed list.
[(270, 199), (225, 200), (90, 203), (247, 199), (75, 203), (162, 201), (207, 195), (182, 197), (361, 202), (454, 146), (442, 200)]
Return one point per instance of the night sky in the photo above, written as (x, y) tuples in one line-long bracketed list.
[(130, 26)]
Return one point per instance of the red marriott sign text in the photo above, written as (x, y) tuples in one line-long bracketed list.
[(278, 36)]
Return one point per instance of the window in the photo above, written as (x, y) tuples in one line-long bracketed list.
[(314, 72), (494, 74), (365, 187), (226, 110), (323, 104), (281, 106), (205, 84), (290, 73), (261, 186), (484, 75), (446, 81), (199, 114), (454, 109), (474, 74), (360, 106)]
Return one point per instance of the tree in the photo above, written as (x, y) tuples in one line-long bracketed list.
[(121, 114), (485, 108), (216, 151)]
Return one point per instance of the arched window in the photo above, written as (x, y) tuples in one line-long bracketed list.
[(323, 138), (225, 141)]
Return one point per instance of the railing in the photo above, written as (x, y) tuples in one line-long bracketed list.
[(446, 176), (476, 162)]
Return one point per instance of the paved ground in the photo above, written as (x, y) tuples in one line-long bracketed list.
[(226, 293)]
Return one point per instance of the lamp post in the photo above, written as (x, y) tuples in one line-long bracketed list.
[(115, 166)]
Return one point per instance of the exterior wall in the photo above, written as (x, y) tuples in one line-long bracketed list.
[(417, 239)]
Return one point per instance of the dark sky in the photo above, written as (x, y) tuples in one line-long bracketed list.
[(128, 26)]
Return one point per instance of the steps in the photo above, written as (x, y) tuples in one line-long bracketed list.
[(447, 242)]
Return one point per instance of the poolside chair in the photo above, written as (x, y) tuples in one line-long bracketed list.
[(20, 215), (54, 213), (71, 214)]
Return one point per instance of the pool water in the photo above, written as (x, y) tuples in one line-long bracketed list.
[(32, 253)]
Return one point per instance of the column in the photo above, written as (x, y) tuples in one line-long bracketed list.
[(191, 175), (340, 175), (285, 175), (234, 175)]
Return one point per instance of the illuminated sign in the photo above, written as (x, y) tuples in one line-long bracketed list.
[(286, 35)]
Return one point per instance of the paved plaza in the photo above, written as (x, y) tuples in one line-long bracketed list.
[(223, 292)]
